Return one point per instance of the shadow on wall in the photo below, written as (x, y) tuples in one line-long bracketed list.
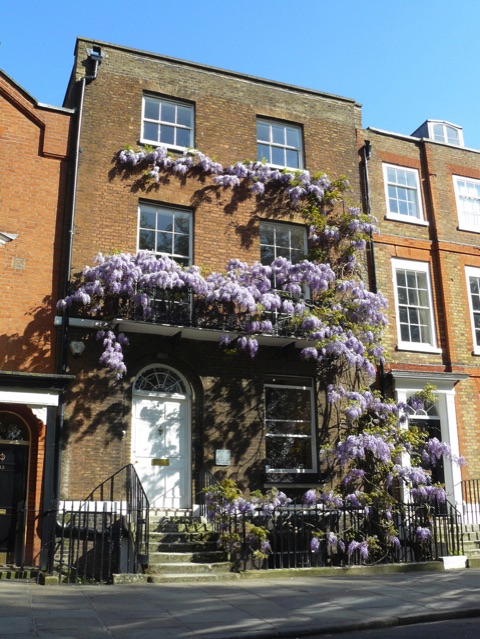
[(33, 350), (233, 420)]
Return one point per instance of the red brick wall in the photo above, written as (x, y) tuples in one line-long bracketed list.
[(448, 250), (33, 175)]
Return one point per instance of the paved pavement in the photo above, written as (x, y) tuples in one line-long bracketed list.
[(247, 609)]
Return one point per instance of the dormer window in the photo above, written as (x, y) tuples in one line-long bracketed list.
[(447, 133), (440, 131)]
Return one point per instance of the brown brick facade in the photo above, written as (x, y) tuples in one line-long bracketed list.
[(227, 392)]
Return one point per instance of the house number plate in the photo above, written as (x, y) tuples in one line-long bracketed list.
[(160, 462)]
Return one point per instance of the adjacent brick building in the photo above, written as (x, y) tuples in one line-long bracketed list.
[(214, 421), (425, 191), (33, 178)]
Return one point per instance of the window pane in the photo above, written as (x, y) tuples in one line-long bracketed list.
[(266, 233), (401, 278), (164, 243), (278, 134), (184, 137), (152, 109), (168, 112), (146, 241), (292, 159), (278, 156), (147, 219), (297, 235), (182, 223), (181, 245), (184, 116), (282, 236), (287, 403), (263, 132), (293, 137), (264, 153), (267, 255), (278, 427), (167, 134), (165, 221), (287, 453), (150, 131)]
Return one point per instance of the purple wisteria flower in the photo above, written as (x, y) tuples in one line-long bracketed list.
[(423, 534), (314, 545)]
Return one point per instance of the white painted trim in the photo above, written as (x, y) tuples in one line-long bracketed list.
[(420, 219), (410, 384), (31, 398), (470, 271), (422, 267), (461, 225)]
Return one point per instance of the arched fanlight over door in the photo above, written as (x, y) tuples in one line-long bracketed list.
[(160, 379)]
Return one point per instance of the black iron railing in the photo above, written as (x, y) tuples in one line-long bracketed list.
[(423, 533), (471, 501), (104, 534)]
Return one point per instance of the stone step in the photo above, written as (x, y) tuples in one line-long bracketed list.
[(188, 568), (176, 526), (216, 556), (182, 537), (168, 578), (200, 546)]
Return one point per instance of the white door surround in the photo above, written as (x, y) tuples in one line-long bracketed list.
[(161, 436)]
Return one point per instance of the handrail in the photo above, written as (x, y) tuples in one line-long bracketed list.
[(105, 533)]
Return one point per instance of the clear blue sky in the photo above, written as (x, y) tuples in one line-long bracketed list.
[(403, 61)]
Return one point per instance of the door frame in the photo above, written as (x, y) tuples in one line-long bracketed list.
[(16, 555), (149, 391)]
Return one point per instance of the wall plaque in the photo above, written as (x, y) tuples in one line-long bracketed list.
[(222, 457)]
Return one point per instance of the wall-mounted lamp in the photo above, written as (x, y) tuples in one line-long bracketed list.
[(77, 348)]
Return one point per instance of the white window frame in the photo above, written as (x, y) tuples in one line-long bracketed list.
[(311, 437), (418, 267), (156, 208), (472, 272), (279, 226), (285, 146), (392, 215), (466, 220), (444, 137), (175, 125)]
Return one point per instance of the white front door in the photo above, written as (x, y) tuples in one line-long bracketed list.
[(161, 449)]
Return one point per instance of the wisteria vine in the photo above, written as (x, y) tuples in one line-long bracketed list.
[(322, 300)]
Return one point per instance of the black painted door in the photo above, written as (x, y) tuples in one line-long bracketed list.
[(13, 484)]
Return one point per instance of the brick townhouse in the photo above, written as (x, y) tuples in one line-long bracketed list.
[(186, 408), (33, 175), (424, 190)]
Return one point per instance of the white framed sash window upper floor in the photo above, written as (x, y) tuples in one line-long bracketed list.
[(414, 306), (167, 123), (403, 194), (279, 144), (467, 196), (473, 287), (165, 230)]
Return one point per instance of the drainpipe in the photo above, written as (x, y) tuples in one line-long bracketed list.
[(96, 55), (366, 155)]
